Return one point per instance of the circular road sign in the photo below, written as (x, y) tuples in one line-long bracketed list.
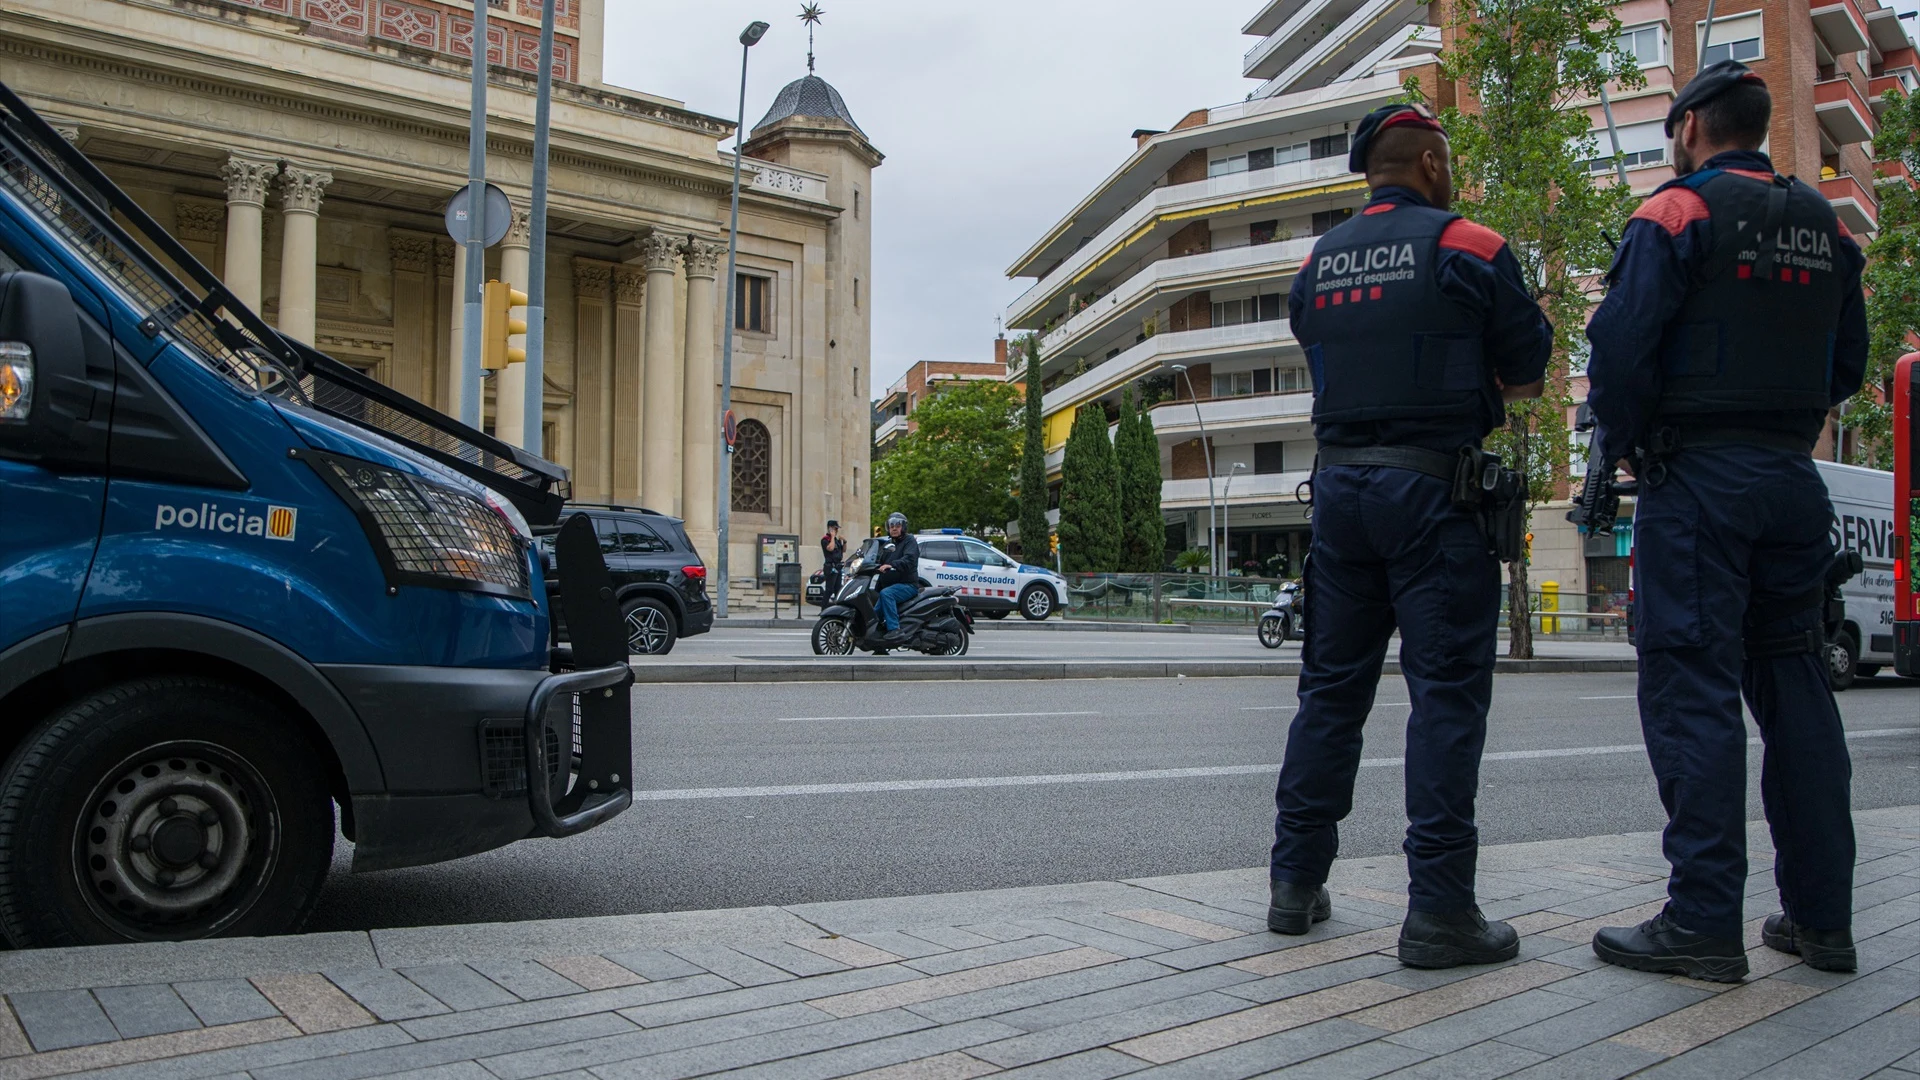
[(499, 215)]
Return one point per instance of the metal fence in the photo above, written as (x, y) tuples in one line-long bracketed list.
[(1240, 601)]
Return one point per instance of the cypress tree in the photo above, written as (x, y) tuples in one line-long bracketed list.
[(1145, 529), (1034, 529), (1089, 496)]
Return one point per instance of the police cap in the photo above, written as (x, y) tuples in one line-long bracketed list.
[(1713, 80), (1382, 118)]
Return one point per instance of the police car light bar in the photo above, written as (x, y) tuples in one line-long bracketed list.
[(951, 532)]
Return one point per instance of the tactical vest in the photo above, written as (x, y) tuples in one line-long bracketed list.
[(1382, 343), (1756, 332)]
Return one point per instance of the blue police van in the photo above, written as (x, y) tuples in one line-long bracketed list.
[(242, 585)]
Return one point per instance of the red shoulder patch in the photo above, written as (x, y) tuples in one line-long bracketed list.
[(1378, 208), (1475, 240), (1673, 209), (1845, 233), (1751, 174)]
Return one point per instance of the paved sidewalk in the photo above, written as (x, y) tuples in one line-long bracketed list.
[(1164, 977)]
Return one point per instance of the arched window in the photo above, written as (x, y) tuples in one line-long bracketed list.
[(752, 469)]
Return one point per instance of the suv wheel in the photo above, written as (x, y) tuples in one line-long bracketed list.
[(1036, 603), (649, 627)]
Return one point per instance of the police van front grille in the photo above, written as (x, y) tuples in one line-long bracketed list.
[(503, 751)]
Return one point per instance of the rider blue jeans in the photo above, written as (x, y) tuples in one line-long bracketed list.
[(891, 598)]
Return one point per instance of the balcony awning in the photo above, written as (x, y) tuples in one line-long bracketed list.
[(1840, 26)]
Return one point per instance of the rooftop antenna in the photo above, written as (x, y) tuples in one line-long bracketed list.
[(810, 14)]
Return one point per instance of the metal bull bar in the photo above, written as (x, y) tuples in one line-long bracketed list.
[(602, 784)]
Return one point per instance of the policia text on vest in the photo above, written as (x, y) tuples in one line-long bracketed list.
[(1416, 325)]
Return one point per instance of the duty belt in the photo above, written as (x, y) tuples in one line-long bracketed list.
[(1670, 440), (1430, 462)]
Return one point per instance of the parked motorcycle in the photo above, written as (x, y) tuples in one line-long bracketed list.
[(934, 621), (1286, 619)]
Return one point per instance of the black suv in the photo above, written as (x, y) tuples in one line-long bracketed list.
[(657, 575)]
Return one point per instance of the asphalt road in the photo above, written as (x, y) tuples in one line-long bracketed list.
[(804, 792), (1003, 642)]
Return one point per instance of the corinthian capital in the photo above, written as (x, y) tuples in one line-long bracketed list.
[(591, 277), (657, 253), (629, 285), (300, 189), (519, 229), (702, 257), (247, 180)]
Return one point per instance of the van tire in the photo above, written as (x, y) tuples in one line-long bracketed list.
[(1843, 660), (220, 777)]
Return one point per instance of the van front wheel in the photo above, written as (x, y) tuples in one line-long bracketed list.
[(162, 809)]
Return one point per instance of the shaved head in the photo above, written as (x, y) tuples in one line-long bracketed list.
[(1412, 157)]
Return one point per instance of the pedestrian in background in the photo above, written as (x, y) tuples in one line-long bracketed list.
[(833, 556), (1417, 327), (1734, 322)]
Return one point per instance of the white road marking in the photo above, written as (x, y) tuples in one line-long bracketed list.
[(1612, 697), (932, 716), (1271, 708), (869, 786)]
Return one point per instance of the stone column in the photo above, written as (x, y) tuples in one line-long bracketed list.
[(412, 260), (629, 288), (510, 386), (593, 397), (446, 323), (300, 191), (660, 457), (246, 202), (698, 483)]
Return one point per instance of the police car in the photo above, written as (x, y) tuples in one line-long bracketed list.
[(988, 581)]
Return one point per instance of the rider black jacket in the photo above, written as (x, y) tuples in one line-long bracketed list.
[(903, 555)]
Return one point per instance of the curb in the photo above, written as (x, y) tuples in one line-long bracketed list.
[(922, 669), (758, 622)]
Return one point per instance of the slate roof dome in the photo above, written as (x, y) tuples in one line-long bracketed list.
[(811, 97)]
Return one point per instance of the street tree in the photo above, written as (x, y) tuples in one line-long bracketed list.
[(1138, 454), (956, 468), (1089, 496), (1521, 144), (1892, 280), (1034, 530)]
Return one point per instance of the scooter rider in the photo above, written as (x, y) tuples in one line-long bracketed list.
[(899, 575)]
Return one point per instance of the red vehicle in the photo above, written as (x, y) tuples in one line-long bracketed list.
[(1906, 516)]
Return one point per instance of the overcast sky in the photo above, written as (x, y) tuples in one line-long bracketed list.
[(996, 116)]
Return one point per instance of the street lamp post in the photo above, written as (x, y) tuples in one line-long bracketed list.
[(748, 39), (1213, 565), (1226, 512)]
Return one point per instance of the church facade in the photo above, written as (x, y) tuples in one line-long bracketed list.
[(305, 150)]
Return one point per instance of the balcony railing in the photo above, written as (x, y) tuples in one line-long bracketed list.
[(1877, 88), (1183, 346), (1297, 35), (1248, 488), (1169, 272), (890, 428), (1843, 114), (1224, 413), (1852, 201), (1186, 197)]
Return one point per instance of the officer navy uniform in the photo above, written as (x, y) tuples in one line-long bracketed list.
[(1734, 322), (1412, 319)]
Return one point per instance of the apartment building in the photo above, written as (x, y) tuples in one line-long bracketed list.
[(1829, 65), (892, 409), (1172, 274)]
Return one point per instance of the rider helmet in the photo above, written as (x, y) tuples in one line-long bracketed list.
[(897, 518)]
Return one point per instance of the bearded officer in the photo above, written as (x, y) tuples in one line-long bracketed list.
[(1417, 327), (1734, 322)]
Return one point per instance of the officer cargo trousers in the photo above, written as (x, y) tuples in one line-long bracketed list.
[(1389, 549), (1726, 528)]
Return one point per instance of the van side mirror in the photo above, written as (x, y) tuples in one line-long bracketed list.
[(44, 392)]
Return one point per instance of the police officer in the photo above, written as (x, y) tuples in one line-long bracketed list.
[(1417, 328), (833, 556), (1734, 322)]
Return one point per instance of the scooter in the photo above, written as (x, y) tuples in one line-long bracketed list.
[(1286, 619), (934, 621)]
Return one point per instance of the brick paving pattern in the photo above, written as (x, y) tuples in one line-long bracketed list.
[(1182, 980)]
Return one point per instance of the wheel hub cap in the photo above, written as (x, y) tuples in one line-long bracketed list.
[(166, 838)]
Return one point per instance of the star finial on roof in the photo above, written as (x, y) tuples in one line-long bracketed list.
[(810, 14)]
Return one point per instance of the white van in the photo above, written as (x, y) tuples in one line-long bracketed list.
[(1863, 522)]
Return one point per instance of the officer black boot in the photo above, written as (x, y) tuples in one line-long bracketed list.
[(1823, 950), (1430, 940), (1664, 946), (1293, 909)]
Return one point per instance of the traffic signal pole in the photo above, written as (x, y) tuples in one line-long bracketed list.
[(532, 433), (473, 309)]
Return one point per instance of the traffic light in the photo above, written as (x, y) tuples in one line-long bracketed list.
[(497, 326)]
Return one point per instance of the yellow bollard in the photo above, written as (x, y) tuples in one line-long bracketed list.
[(1549, 601)]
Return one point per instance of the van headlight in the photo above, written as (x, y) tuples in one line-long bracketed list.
[(428, 533)]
